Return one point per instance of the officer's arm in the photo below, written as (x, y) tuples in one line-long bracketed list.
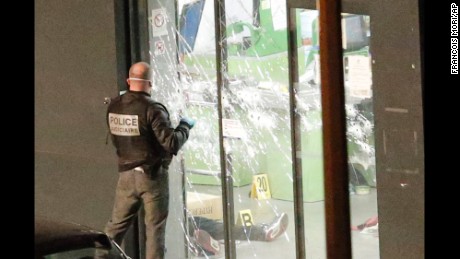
[(171, 139)]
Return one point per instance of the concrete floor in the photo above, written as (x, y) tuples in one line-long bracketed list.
[(364, 246)]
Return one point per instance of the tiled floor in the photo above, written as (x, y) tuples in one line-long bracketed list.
[(364, 245)]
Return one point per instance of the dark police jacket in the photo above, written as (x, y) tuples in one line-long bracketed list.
[(142, 133)]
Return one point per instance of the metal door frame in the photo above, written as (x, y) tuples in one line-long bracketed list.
[(335, 152), (337, 207)]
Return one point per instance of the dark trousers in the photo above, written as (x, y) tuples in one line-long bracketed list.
[(216, 229), (135, 186)]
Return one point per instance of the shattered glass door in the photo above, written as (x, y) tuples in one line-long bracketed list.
[(256, 122), (359, 129)]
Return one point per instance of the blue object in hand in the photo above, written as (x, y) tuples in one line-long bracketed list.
[(190, 122)]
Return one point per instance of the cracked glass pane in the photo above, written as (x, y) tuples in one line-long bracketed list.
[(256, 122)]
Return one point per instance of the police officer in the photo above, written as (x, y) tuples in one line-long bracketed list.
[(145, 143)]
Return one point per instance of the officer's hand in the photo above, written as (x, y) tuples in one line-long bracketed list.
[(188, 121)]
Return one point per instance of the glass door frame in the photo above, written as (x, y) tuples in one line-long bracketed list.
[(134, 30), (337, 203)]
